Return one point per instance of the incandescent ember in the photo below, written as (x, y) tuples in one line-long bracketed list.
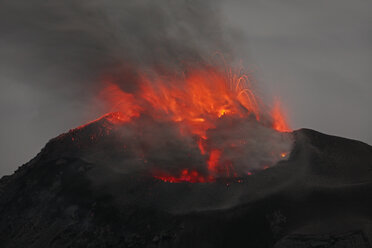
[(197, 126)]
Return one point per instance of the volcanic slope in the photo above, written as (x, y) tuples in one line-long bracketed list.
[(319, 196)]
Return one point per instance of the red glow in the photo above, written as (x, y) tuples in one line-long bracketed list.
[(283, 154), (280, 124), (112, 118), (186, 176), (214, 157), (124, 103), (194, 101)]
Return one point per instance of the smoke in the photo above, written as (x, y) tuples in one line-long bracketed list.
[(123, 157), (70, 43), (54, 53), (68, 48)]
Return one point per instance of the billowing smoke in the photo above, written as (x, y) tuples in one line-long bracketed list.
[(183, 114), (74, 42)]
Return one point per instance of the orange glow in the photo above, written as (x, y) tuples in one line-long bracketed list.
[(201, 96), (186, 176), (195, 102), (201, 146), (213, 159), (112, 118), (279, 123), (124, 103)]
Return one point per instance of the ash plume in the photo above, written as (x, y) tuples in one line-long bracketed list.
[(82, 45), (74, 42), (54, 54)]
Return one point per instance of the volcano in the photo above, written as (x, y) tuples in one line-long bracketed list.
[(88, 188), (189, 158)]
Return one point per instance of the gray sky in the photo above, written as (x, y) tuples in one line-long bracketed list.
[(314, 55)]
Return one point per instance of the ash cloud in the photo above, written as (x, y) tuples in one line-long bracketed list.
[(53, 54), (78, 40), (64, 49)]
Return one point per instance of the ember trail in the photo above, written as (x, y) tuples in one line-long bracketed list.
[(196, 126)]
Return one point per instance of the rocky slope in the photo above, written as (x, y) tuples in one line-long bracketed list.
[(321, 196)]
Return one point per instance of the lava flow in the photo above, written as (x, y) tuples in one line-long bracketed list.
[(197, 126)]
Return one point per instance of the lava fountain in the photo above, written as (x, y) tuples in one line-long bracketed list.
[(196, 126)]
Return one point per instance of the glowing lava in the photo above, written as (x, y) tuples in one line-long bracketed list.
[(186, 176), (280, 124), (200, 102)]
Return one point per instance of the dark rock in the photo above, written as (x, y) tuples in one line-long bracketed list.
[(64, 197)]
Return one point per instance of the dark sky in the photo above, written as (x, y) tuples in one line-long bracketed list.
[(314, 55)]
